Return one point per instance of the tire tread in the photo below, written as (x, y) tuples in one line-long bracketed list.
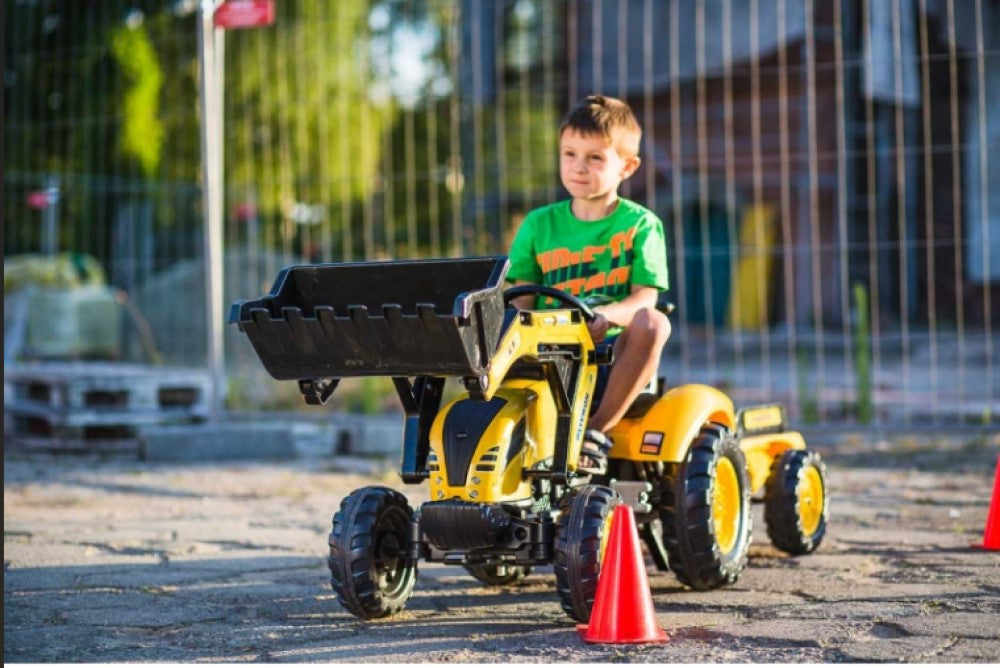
[(349, 559), (577, 548), (688, 534), (781, 515)]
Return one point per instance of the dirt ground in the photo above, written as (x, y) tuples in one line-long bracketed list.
[(107, 559)]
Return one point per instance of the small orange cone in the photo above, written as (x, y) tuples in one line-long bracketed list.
[(991, 534), (623, 606)]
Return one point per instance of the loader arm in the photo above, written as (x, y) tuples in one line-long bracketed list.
[(553, 345)]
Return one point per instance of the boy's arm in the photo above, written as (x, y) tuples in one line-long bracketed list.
[(608, 315), (525, 302), (621, 313)]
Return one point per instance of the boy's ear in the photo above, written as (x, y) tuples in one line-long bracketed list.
[(631, 164)]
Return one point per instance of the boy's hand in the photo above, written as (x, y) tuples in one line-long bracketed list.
[(598, 327)]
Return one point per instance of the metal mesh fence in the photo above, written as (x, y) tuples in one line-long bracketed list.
[(825, 171)]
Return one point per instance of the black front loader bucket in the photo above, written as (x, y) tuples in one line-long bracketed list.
[(406, 318)]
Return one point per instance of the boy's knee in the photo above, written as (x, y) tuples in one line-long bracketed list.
[(653, 325)]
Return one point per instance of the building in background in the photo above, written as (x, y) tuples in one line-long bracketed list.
[(854, 128)]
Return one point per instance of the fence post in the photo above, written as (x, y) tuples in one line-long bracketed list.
[(211, 96)]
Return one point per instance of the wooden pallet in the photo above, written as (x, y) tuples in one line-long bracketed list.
[(99, 402)]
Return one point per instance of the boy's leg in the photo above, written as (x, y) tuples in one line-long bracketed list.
[(637, 358)]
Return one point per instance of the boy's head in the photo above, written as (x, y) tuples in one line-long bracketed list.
[(607, 117), (598, 148)]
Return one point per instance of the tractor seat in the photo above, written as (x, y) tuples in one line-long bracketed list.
[(641, 405)]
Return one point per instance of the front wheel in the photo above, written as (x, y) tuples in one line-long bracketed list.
[(795, 502), (581, 538), (706, 511), (497, 575), (371, 569)]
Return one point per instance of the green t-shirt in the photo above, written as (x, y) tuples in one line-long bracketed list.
[(582, 257)]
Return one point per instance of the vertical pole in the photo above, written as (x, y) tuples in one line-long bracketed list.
[(210, 98), (50, 236)]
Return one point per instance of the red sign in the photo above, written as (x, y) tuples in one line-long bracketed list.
[(245, 211), (244, 14), (38, 199)]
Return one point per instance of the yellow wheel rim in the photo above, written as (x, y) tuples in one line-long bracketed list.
[(726, 506), (810, 500), (605, 532)]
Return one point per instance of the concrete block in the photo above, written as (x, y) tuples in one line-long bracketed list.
[(217, 442), (371, 435)]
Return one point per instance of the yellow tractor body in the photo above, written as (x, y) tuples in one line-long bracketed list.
[(505, 492)]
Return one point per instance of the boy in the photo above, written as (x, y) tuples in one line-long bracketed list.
[(597, 243)]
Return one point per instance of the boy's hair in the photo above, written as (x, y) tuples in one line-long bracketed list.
[(608, 117)]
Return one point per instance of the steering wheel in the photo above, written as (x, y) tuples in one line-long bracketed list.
[(563, 297)]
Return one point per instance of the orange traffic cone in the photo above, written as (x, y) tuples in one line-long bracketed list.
[(623, 606), (991, 534)]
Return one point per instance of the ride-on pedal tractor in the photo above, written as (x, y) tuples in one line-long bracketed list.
[(500, 460)]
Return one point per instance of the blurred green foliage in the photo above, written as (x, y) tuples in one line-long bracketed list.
[(862, 354), (142, 131), (354, 111)]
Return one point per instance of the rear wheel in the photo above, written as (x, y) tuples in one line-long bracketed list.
[(706, 511), (581, 538), (498, 574), (795, 502), (371, 569)]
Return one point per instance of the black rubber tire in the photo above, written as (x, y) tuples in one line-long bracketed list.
[(782, 512), (497, 575), (371, 569), (583, 521), (686, 513)]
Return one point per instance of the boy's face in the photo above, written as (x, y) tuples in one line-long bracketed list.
[(590, 167)]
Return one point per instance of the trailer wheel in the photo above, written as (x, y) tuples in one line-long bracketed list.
[(795, 502), (706, 511), (371, 569), (581, 538), (497, 575)]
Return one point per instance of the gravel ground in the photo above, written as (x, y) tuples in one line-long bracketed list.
[(107, 559)]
